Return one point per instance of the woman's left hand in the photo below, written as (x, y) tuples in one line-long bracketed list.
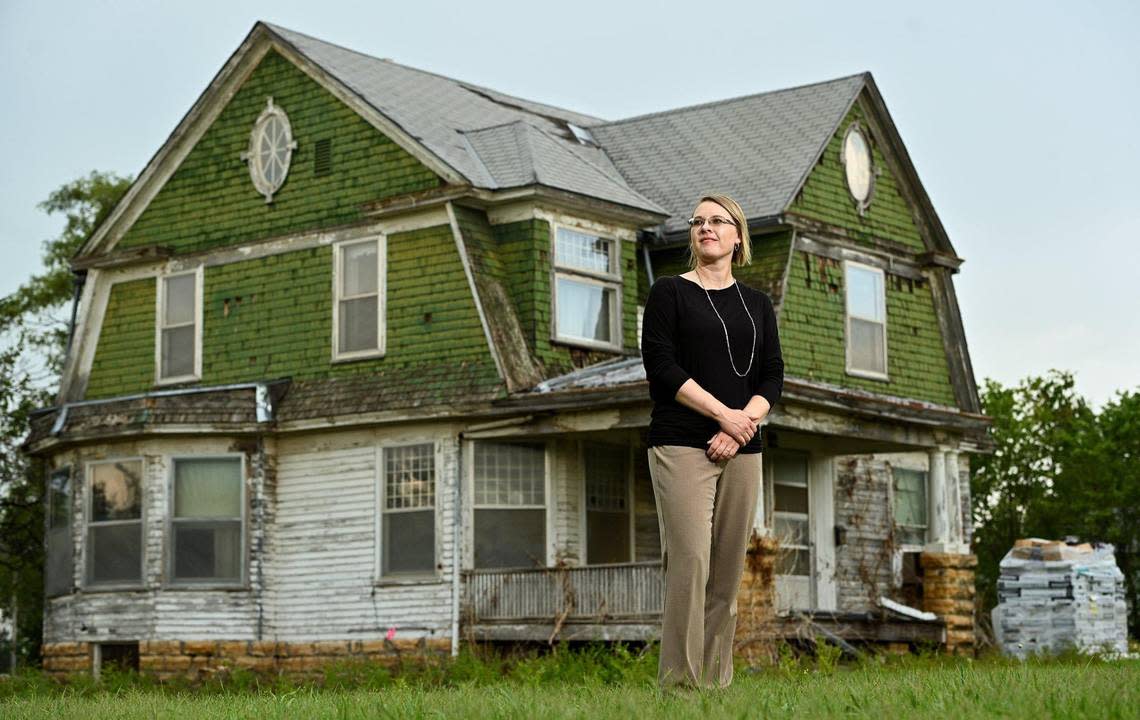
[(722, 447)]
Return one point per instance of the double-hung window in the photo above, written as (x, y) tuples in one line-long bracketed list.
[(909, 507), (790, 515), (587, 289), (178, 347), (510, 505), (608, 504), (206, 521), (114, 551), (407, 518), (866, 321), (359, 298), (58, 575)]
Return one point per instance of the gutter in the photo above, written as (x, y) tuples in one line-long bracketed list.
[(264, 403)]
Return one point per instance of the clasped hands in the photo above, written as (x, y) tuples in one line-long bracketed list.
[(736, 429)]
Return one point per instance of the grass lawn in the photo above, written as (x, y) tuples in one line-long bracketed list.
[(943, 689)]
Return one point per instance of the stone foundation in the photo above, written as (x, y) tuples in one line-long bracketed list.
[(198, 659), (948, 592), (756, 603), (61, 659)]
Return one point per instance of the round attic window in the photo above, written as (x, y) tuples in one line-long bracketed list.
[(271, 147), (856, 157)]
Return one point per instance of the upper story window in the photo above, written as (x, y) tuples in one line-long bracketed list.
[(587, 289), (114, 537), (270, 151), (857, 166), (509, 505), (206, 521), (178, 347), (359, 280), (909, 506), (58, 573), (866, 321), (407, 517)]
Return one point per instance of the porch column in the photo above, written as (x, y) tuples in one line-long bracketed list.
[(954, 497), (937, 517)]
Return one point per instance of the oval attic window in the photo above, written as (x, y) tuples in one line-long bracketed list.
[(271, 147), (856, 158)]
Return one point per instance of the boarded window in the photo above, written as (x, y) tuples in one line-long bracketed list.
[(510, 505), (59, 573), (587, 285), (206, 523), (359, 302), (408, 518), (114, 523), (909, 506), (866, 320), (608, 503), (178, 327)]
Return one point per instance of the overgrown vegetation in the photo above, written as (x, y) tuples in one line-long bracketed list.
[(602, 682)]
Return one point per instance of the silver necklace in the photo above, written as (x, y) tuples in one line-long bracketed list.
[(751, 355)]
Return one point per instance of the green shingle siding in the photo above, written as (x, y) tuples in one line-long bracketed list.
[(825, 198), (210, 201), (272, 317), (124, 356), (812, 332)]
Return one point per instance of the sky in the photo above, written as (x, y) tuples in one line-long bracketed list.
[(1022, 119)]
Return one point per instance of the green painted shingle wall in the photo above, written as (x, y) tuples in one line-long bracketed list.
[(825, 197), (271, 317), (812, 326), (210, 201)]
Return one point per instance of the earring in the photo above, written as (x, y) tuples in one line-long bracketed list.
[(736, 249)]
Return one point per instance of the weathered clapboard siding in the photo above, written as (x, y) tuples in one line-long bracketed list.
[(566, 510), (321, 568), (863, 570), (154, 610)]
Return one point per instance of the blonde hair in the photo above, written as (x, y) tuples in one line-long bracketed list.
[(741, 256)]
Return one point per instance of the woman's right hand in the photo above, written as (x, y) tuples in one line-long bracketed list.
[(737, 425)]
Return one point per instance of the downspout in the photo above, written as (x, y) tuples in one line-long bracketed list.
[(456, 550), (79, 281), (648, 260)]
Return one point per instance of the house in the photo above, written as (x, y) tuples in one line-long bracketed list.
[(356, 373)]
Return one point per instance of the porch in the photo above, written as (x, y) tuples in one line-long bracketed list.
[(624, 601)]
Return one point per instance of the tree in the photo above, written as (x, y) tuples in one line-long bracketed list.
[(29, 372), (1058, 469)]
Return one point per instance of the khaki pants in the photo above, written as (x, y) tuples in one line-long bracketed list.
[(705, 511)]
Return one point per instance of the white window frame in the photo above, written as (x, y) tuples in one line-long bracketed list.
[(911, 547), (583, 526), (847, 316), (469, 506), (88, 497), (170, 580), (611, 280), (381, 500), (381, 241), (160, 316)]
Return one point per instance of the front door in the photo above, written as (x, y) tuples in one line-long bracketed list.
[(788, 479)]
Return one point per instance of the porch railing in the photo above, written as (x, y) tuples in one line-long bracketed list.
[(627, 591)]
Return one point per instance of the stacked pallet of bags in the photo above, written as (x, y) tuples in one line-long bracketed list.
[(1054, 597)]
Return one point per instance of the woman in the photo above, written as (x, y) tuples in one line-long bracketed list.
[(712, 356)]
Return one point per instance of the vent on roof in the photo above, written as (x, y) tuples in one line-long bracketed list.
[(322, 158), (582, 135)]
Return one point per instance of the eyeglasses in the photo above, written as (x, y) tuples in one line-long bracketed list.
[(716, 222)]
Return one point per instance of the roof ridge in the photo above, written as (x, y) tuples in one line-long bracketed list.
[(725, 101), (468, 86)]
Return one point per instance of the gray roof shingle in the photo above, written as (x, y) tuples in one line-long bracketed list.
[(758, 149), (442, 113)]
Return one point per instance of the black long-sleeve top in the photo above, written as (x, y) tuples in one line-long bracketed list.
[(682, 338)]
